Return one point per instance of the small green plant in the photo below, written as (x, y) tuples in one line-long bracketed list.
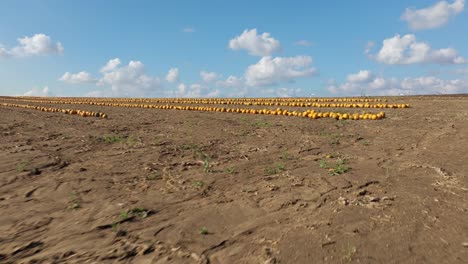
[(204, 231), (139, 211), (323, 164), (365, 142), (339, 168), (111, 139), (243, 119), (198, 184), (285, 156), (155, 175), (197, 152), (261, 123), (124, 215), (231, 170), (20, 167), (74, 201), (275, 169), (115, 226), (131, 141), (280, 166), (349, 253), (130, 214), (206, 164), (34, 171), (336, 169)]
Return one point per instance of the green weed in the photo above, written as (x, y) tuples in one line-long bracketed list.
[(198, 184), (231, 170), (74, 201), (20, 167), (275, 169), (338, 168), (111, 139), (204, 231)]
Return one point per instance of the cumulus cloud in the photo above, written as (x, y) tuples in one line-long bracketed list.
[(270, 71), (361, 76), (283, 92), (173, 75), (256, 45), (129, 80), (75, 78), (37, 45), (379, 85), (369, 46), (231, 81), (407, 50), (3, 52), (38, 92), (208, 76), (195, 90), (181, 88), (462, 71), (110, 65), (433, 16)]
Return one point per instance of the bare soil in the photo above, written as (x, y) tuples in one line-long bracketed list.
[(168, 186)]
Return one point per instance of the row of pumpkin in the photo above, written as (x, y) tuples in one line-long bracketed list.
[(59, 110), (107, 101), (312, 114)]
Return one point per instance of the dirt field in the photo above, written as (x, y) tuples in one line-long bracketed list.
[(167, 186)]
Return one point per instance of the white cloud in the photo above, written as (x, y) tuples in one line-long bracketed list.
[(173, 75), (369, 46), (181, 88), (129, 80), (304, 43), (37, 45), (231, 81), (406, 50), (208, 76), (110, 65), (3, 52), (462, 71), (288, 92), (378, 85), (195, 90), (433, 16), (38, 92), (75, 78), (361, 76), (256, 45), (188, 30), (270, 71)]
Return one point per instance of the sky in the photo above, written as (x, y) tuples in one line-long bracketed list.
[(236, 48)]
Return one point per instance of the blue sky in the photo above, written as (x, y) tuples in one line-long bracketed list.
[(232, 48)]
